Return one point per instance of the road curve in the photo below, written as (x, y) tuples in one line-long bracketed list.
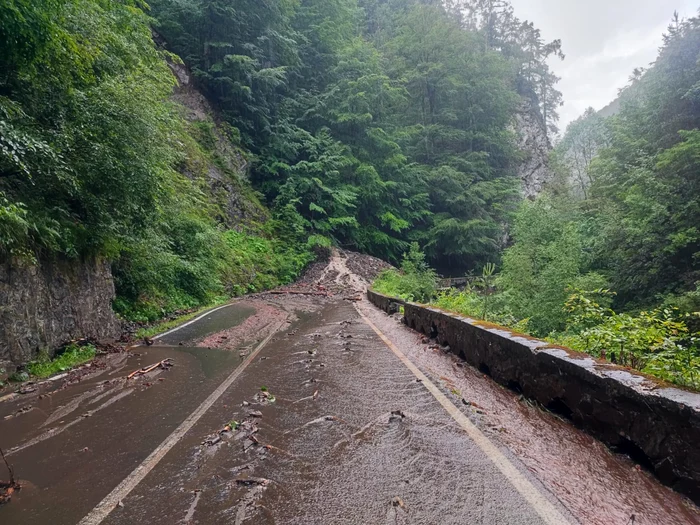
[(310, 410)]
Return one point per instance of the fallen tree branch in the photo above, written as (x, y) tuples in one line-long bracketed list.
[(7, 489), (10, 469), (142, 371), (295, 292)]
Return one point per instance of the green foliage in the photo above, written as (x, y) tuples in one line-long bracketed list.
[(575, 153), (70, 357), (473, 302), (86, 135), (199, 265), (641, 190), (657, 342), (486, 284), (545, 259), (370, 139), (90, 149), (416, 281)]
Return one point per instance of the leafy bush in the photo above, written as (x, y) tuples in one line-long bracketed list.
[(197, 266), (416, 281), (657, 342), (472, 304)]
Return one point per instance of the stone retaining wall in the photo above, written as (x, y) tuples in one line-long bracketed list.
[(657, 424)]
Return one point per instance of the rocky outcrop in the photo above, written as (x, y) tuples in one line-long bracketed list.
[(46, 305), (655, 423), (223, 166), (533, 170)]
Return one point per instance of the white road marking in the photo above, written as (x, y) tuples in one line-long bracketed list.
[(208, 312), (532, 495), (121, 491)]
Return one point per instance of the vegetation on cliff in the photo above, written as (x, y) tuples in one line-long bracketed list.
[(96, 160), (607, 260), (382, 125), (368, 123)]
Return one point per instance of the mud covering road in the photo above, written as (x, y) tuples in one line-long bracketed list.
[(290, 408)]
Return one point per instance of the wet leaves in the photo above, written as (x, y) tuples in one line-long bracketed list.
[(264, 397)]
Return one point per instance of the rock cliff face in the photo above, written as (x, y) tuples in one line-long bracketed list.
[(534, 171), (46, 305)]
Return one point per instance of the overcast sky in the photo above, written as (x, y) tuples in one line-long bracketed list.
[(604, 40)]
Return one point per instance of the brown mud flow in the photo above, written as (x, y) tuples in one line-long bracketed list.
[(325, 425), (70, 446)]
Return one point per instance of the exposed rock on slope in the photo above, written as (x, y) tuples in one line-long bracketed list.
[(534, 171), (217, 161), (47, 305)]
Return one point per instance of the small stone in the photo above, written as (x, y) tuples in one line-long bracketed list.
[(396, 415), (397, 502)]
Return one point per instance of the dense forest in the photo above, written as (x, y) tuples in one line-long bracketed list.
[(365, 123), (607, 259), (383, 126)]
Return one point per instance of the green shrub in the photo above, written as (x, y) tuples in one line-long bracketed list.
[(416, 281), (198, 265), (657, 341)]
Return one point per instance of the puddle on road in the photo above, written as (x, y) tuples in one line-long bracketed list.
[(218, 321), (72, 447)]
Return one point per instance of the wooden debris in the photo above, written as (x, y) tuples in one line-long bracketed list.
[(9, 488), (164, 364)]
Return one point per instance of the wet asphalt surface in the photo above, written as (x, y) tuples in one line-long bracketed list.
[(324, 426)]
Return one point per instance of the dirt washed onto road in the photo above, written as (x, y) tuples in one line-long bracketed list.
[(321, 424), (598, 486), (327, 427)]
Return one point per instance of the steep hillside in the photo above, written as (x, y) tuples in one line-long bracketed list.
[(376, 123), (533, 170), (121, 194), (283, 128)]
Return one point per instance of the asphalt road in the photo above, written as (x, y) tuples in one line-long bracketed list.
[(312, 410)]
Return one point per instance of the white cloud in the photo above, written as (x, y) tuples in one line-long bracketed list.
[(604, 41)]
